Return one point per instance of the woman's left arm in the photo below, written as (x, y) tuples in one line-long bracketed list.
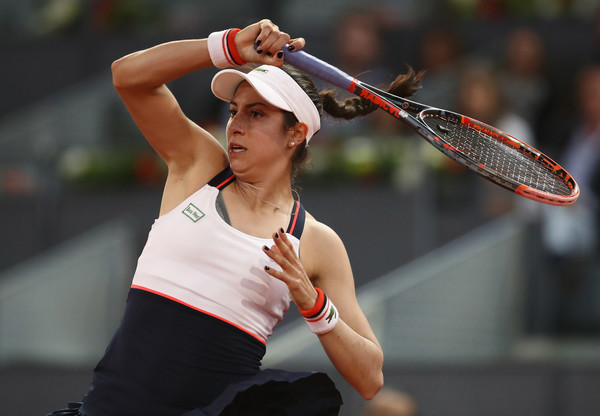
[(351, 346)]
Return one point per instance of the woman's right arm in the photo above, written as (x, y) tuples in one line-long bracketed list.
[(188, 150), (140, 80)]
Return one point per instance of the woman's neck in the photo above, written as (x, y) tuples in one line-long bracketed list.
[(261, 195)]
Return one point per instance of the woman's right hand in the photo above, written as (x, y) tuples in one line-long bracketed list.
[(262, 43)]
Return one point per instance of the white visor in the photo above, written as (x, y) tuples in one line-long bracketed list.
[(276, 87)]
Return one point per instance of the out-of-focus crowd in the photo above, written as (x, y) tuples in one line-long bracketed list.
[(520, 79)]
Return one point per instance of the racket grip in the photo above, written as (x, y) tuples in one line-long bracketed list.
[(318, 68)]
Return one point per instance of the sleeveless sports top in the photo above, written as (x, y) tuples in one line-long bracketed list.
[(195, 258), (197, 316)]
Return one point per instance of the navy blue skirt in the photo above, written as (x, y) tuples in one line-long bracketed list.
[(269, 393), (160, 362)]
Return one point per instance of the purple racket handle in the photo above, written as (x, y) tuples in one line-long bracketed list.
[(318, 68)]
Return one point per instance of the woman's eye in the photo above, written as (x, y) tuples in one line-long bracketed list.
[(232, 113), (255, 114)]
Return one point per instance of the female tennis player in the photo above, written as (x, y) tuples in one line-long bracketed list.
[(222, 262)]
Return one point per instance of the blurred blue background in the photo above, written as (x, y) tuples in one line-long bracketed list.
[(484, 303)]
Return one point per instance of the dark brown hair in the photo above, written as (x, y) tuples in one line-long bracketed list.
[(405, 85)]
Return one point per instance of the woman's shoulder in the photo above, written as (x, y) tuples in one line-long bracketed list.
[(319, 236), (323, 251)]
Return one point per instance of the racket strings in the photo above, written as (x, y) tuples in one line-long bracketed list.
[(497, 156)]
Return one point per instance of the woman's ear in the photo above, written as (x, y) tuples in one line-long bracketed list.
[(299, 132)]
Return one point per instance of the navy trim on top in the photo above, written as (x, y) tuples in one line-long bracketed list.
[(296, 225), (223, 178)]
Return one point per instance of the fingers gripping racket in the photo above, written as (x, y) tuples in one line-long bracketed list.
[(486, 150)]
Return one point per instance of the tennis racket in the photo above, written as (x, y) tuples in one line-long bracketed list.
[(488, 151)]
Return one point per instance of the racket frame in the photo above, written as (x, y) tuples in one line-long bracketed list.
[(414, 113)]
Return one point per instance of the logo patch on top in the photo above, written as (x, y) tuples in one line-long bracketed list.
[(193, 212)]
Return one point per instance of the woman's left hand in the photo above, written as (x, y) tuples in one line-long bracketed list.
[(292, 271), (352, 346), (263, 43)]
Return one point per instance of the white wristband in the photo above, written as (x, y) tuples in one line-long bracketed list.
[(222, 50), (325, 319)]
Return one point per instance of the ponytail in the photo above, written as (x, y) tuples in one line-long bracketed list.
[(405, 85)]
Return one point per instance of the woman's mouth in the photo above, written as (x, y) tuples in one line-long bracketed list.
[(236, 148)]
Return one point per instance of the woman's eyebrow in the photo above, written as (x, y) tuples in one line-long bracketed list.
[(251, 105)]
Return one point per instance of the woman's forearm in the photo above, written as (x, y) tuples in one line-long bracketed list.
[(160, 64), (358, 359)]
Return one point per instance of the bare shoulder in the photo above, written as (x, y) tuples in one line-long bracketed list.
[(319, 235), (322, 251)]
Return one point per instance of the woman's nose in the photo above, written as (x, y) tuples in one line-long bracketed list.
[(236, 125)]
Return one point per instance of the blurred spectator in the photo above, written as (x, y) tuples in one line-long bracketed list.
[(523, 74), (440, 55), (596, 36), (359, 49), (570, 234), (582, 153), (317, 15), (359, 45), (481, 98), (391, 402)]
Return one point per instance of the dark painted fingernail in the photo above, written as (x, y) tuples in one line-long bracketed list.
[(276, 235), (291, 48), (259, 51), (280, 54), (258, 42), (282, 231), (269, 53), (266, 248), (267, 268)]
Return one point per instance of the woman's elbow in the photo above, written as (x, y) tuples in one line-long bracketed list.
[(373, 382), (124, 73), (370, 389), (118, 77)]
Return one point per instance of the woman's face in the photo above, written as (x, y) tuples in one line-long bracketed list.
[(255, 132)]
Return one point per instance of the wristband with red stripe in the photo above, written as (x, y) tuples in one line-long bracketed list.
[(322, 317), (315, 310), (222, 50)]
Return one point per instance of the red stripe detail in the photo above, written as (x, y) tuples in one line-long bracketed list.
[(317, 319), (197, 309), (323, 314), (353, 85), (307, 313), (224, 46), (233, 49), (297, 213), (225, 181)]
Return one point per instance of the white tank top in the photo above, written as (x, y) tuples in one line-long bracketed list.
[(194, 257)]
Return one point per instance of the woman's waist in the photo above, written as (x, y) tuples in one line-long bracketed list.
[(165, 354), (163, 329), (250, 303)]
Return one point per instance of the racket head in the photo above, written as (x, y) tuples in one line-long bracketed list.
[(499, 157)]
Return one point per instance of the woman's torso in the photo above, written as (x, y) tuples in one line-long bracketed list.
[(198, 315)]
